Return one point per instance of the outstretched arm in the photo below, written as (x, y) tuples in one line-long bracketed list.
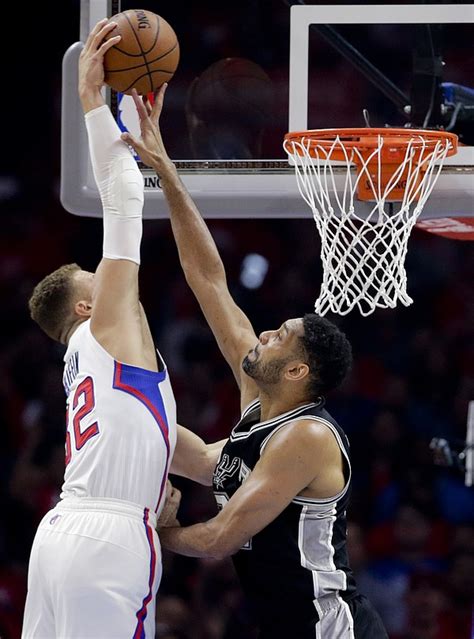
[(117, 320), (198, 253)]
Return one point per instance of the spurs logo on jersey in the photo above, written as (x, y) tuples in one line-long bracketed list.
[(244, 471), (225, 469), (223, 472)]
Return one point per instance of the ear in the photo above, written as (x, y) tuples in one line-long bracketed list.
[(83, 308), (296, 371)]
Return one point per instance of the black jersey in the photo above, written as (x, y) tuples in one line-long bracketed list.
[(300, 557)]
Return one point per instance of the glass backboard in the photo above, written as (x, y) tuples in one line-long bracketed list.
[(253, 70)]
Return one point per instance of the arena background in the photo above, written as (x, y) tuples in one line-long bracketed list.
[(410, 523)]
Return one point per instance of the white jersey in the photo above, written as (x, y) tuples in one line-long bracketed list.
[(121, 426)]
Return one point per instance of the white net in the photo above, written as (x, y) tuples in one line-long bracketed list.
[(363, 245)]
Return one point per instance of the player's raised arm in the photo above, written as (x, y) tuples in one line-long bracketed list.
[(198, 253), (117, 320)]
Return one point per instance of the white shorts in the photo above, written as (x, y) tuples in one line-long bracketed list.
[(94, 571)]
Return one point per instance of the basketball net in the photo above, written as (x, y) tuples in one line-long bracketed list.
[(363, 252)]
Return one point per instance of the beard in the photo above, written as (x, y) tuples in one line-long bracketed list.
[(265, 374)]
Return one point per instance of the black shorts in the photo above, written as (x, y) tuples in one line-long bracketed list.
[(332, 620), (367, 623)]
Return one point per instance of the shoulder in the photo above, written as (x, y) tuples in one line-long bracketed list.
[(318, 429), (304, 437)]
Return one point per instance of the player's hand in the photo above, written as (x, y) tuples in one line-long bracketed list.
[(167, 517), (150, 146), (91, 60)]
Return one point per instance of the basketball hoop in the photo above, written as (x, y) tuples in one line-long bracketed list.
[(363, 253)]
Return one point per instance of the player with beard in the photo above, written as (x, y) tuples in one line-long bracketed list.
[(282, 479)]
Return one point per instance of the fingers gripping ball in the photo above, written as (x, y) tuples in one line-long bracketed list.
[(145, 57)]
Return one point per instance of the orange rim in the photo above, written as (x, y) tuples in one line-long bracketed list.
[(366, 140)]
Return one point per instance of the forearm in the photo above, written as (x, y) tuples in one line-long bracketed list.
[(120, 185), (197, 250), (200, 540)]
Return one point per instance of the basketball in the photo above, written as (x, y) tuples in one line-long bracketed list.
[(146, 56)]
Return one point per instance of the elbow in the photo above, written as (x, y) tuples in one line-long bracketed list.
[(194, 279), (197, 275)]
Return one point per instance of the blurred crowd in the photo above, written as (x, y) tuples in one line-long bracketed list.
[(411, 523)]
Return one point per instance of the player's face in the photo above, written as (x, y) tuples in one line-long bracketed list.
[(274, 349)]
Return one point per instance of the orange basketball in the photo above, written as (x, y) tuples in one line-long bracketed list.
[(146, 56)]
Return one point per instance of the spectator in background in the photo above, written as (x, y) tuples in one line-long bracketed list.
[(410, 543), (227, 109), (426, 607), (460, 591)]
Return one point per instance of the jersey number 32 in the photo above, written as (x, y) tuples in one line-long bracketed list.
[(83, 404)]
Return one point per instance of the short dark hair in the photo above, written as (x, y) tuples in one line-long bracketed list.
[(50, 302), (328, 352)]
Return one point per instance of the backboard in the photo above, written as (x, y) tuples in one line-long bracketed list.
[(304, 66)]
